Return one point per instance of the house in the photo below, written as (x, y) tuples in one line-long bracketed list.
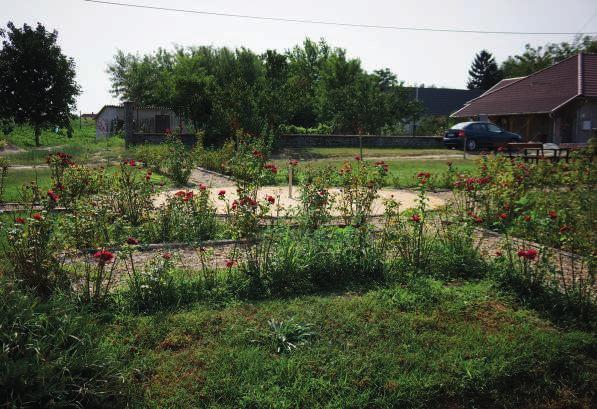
[(147, 120), (557, 104), (88, 116)]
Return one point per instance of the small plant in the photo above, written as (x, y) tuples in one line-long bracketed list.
[(152, 288), (58, 163), (3, 173), (286, 336)]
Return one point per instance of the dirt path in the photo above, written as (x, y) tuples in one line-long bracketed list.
[(209, 178)]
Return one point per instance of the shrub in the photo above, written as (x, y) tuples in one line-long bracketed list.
[(359, 184), (185, 217), (79, 182), (315, 199), (58, 163), (33, 253), (130, 193), (51, 356), (180, 161), (153, 156)]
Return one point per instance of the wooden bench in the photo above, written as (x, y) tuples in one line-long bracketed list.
[(514, 148)]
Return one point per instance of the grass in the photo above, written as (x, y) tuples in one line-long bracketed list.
[(339, 152), (83, 145), (402, 172), (16, 178), (427, 345)]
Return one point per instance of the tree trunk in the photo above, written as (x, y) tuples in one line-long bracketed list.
[(37, 135)]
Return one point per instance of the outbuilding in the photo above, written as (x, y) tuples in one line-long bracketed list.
[(148, 120)]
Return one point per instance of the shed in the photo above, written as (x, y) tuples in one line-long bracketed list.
[(147, 120)]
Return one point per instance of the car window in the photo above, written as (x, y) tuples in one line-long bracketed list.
[(460, 125), (494, 128), (476, 127)]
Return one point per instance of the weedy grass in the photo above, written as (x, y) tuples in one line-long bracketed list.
[(423, 345)]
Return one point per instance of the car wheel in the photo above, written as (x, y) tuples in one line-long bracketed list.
[(471, 145)]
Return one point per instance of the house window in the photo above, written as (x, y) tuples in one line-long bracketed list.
[(586, 125)]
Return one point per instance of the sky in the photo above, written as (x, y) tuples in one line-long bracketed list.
[(91, 33)]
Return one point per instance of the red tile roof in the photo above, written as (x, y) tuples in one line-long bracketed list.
[(544, 91)]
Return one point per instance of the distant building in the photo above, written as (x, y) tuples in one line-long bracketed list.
[(148, 120), (88, 116), (442, 101), (557, 104)]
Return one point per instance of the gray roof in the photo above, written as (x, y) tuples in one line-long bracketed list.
[(443, 101)]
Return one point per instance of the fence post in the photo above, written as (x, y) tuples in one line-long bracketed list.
[(128, 123), (290, 181)]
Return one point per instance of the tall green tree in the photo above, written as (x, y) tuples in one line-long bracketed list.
[(484, 72), (536, 58), (37, 81)]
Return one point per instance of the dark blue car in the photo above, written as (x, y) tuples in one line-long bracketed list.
[(478, 134)]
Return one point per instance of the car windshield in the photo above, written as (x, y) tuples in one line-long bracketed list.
[(460, 125)]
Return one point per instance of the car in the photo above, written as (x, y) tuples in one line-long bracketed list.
[(478, 134)]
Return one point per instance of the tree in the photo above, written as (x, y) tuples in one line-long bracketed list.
[(37, 82), (484, 72), (534, 59)]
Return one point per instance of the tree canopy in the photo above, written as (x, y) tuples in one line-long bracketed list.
[(37, 81), (536, 58), (220, 90)]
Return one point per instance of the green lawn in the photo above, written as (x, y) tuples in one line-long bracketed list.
[(430, 345), (17, 177), (82, 145), (325, 152), (402, 172)]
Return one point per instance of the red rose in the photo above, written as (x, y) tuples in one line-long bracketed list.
[(503, 216), (415, 218), (180, 193), (20, 220), (202, 187), (529, 254), (270, 199), (357, 157), (230, 263), (103, 256), (132, 241), (222, 193), (527, 218), (552, 214), (293, 162), (167, 256), (37, 216), (565, 228), (498, 253)]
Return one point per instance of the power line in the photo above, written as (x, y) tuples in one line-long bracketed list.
[(587, 22), (329, 23)]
